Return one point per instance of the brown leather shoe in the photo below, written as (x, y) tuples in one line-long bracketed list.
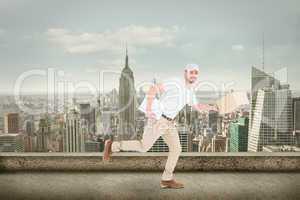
[(107, 150), (171, 184)]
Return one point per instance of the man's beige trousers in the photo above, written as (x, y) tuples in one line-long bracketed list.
[(153, 130)]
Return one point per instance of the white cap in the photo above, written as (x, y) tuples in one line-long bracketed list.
[(190, 67)]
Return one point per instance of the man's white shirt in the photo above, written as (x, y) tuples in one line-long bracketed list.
[(174, 97)]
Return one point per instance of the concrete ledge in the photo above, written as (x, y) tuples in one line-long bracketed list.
[(149, 162)]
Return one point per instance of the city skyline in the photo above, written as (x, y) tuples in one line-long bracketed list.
[(80, 43)]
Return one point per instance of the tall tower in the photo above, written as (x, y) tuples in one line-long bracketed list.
[(127, 103), (73, 139), (87, 114), (263, 52), (43, 135), (271, 112), (296, 120), (239, 135)]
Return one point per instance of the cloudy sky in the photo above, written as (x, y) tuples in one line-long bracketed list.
[(82, 38)]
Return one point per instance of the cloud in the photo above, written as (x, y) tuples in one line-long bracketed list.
[(113, 41), (237, 47)]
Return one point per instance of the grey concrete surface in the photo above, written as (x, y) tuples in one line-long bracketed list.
[(150, 162), (145, 185)]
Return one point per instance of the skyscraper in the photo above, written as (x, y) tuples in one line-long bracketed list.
[(127, 103), (271, 112), (238, 131), (185, 138), (213, 120), (11, 123), (87, 114), (73, 137), (113, 98), (43, 135), (92, 146), (219, 143), (259, 80), (296, 120), (85, 110), (11, 142), (30, 129)]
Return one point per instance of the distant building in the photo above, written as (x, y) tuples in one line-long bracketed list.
[(219, 125), (30, 143), (113, 98), (195, 145), (224, 124), (127, 103), (195, 123), (185, 138), (204, 143), (213, 121), (11, 123), (271, 112), (184, 117), (238, 132), (100, 117), (92, 146), (43, 135), (219, 144), (11, 142), (29, 135), (88, 115), (73, 137), (85, 110), (140, 124), (29, 126), (280, 148), (296, 120), (108, 122)]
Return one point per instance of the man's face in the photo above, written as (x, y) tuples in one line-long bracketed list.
[(191, 75)]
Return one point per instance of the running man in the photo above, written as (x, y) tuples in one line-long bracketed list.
[(174, 95)]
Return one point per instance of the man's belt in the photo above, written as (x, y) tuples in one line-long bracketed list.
[(168, 118)]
